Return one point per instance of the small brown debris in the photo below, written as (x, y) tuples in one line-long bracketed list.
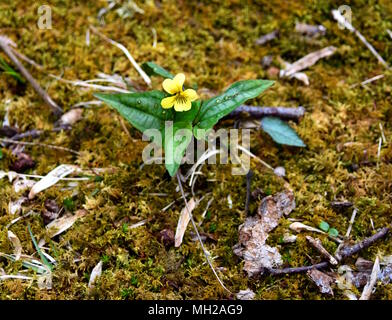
[(341, 204), (364, 265), (310, 30), (316, 243), (22, 163), (51, 211), (272, 72), (322, 280), (71, 117), (8, 131), (267, 37), (245, 295), (166, 236)]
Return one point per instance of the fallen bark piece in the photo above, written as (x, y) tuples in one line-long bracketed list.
[(322, 280), (51, 179), (253, 234), (307, 61), (64, 223), (367, 290), (245, 295), (316, 243), (183, 221)]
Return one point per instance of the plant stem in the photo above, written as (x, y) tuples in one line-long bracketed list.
[(198, 235)]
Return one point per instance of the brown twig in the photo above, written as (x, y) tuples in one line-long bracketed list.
[(259, 112), (50, 146), (344, 252), (348, 251), (4, 44), (320, 265)]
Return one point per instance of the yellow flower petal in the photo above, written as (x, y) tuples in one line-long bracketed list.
[(168, 102), (190, 94), (174, 86), (182, 105), (179, 79)]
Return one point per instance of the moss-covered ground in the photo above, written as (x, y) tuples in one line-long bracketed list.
[(213, 43)]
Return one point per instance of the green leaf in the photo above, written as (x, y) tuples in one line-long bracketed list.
[(281, 132), (324, 226), (142, 110), (69, 204), (216, 108), (1, 154), (43, 258), (177, 137), (8, 70), (152, 69), (333, 232)]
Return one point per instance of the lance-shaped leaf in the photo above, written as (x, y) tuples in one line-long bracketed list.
[(281, 132), (216, 108), (177, 137), (152, 69), (142, 110)]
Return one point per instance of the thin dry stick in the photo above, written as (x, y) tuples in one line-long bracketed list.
[(198, 235), (145, 77), (351, 223), (259, 112), (28, 60), (38, 144), (341, 254), (363, 83), (338, 17), (4, 44)]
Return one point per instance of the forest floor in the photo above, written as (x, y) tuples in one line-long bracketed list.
[(213, 43)]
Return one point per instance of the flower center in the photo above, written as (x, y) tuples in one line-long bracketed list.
[(181, 98)]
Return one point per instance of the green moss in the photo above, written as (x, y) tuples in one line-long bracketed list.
[(213, 43)]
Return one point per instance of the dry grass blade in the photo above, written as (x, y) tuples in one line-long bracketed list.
[(185, 217), (50, 146), (16, 243), (62, 224), (206, 254), (51, 179), (95, 274), (367, 290), (307, 61), (145, 77)]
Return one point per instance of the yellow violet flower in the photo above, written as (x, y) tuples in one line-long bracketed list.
[(181, 99)]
